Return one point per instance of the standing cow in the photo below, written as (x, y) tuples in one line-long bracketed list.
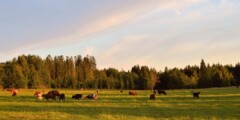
[(195, 94), (77, 96), (52, 95), (162, 92), (62, 97)]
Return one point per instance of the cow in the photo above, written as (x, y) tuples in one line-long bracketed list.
[(195, 94), (121, 91), (77, 96), (62, 97), (54, 93), (97, 91), (91, 97), (162, 92), (49, 96), (38, 95), (132, 93), (14, 92), (152, 96)]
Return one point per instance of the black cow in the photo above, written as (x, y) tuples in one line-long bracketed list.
[(196, 94), (77, 96), (62, 97), (162, 92)]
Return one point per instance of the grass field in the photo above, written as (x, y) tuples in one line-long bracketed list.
[(214, 103)]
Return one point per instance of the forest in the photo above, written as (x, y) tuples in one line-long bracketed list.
[(31, 71)]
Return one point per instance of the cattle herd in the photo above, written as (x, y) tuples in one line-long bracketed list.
[(55, 94)]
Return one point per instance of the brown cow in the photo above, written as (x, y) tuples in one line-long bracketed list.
[(36, 93), (132, 93), (152, 96), (14, 92), (54, 92), (52, 95), (49, 96)]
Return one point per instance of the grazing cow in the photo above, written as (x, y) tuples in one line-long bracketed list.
[(152, 96), (162, 92), (132, 93), (49, 96), (121, 91), (77, 96), (91, 97), (195, 94), (97, 91), (54, 93), (38, 95), (62, 97), (14, 92)]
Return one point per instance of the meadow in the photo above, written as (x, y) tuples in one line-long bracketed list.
[(214, 104)]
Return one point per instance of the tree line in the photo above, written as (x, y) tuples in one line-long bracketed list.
[(31, 71)]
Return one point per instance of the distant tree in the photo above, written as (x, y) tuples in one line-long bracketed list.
[(22, 61), (70, 74), (34, 78), (65, 72), (237, 74), (202, 66), (2, 74), (14, 77), (89, 67), (59, 71), (48, 73), (79, 71)]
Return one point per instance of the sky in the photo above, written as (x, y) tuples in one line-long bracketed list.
[(123, 33)]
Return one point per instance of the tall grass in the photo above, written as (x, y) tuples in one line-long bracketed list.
[(214, 103)]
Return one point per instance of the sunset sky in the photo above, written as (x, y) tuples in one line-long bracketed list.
[(123, 33)]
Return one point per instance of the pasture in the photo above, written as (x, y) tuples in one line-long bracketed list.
[(214, 103)]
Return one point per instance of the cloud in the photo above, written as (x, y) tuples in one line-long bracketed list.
[(116, 17), (156, 33)]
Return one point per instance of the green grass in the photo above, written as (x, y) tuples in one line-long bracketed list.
[(214, 103)]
